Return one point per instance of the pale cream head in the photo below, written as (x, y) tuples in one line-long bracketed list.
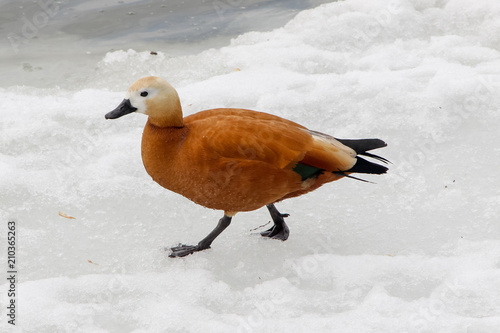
[(155, 98)]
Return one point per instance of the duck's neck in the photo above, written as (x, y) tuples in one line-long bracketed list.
[(172, 120), (166, 112)]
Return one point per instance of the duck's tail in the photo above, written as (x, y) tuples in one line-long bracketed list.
[(361, 147)]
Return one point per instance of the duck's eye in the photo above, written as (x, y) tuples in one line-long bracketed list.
[(144, 93)]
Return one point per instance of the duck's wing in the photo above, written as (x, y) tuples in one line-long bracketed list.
[(249, 136), (246, 114)]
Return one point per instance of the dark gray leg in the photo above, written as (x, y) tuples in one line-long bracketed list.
[(280, 229), (183, 250)]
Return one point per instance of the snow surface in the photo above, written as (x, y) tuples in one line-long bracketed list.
[(417, 252)]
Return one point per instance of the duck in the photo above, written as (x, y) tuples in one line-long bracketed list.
[(237, 160)]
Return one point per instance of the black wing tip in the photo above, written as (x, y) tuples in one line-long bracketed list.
[(361, 146), (342, 173), (377, 157), (364, 166)]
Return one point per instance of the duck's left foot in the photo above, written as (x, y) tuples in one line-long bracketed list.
[(280, 229), (183, 250)]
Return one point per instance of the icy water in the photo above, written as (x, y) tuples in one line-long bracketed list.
[(419, 251), (46, 42)]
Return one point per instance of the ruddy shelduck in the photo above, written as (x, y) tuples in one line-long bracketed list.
[(237, 160)]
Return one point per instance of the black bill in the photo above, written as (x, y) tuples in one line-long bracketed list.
[(124, 108)]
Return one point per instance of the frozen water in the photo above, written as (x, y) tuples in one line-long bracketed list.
[(47, 42), (417, 252)]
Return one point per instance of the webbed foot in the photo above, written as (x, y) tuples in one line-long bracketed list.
[(183, 250), (280, 232), (280, 229)]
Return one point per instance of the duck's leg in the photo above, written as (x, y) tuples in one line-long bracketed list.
[(183, 250), (280, 229)]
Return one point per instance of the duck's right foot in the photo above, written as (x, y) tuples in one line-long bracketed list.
[(280, 229)]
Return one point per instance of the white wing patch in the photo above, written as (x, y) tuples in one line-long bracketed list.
[(332, 141)]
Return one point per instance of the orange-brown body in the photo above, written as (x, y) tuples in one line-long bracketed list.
[(238, 160)]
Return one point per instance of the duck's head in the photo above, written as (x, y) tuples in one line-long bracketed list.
[(155, 98)]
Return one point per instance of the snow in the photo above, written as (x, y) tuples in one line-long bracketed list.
[(419, 251)]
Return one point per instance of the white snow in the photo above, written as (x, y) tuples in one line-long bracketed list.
[(417, 252)]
